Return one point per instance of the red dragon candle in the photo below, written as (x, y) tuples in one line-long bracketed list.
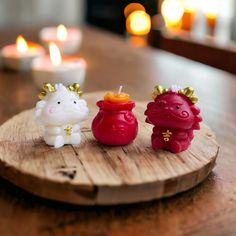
[(174, 117), (115, 123)]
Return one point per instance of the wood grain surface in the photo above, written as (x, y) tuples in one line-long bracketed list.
[(97, 174), (207, 210)]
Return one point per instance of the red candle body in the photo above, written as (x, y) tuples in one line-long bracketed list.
[(174, 117), (115, 123)]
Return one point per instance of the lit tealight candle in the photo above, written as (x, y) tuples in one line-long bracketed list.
[(211, 10), (172, 12), (68, 40), (189, 14), (19, 56), (55, 69), (117, 97)]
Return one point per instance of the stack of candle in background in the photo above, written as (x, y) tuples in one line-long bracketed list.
[(181, 14), (201, 17), (53, 63)]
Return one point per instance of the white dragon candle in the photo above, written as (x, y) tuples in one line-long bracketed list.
[(60, 111)]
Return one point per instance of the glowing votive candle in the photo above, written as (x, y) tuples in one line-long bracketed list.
[(68, 40), (211, 10), (55, 69), (190, 8), (19, 56), (172, 12)]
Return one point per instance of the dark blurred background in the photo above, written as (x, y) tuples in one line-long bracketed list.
[(202, 30), (109, 14)]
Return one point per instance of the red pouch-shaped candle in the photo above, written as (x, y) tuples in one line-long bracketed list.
[(115, 123)]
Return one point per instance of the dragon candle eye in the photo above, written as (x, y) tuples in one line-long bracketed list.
[(74, 102), (58, 102), (177, 107)]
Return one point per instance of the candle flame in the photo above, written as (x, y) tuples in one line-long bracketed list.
[(61, 33), (21, 44), (211, 9), (172, 11), (138, 23), (55, 55), (189, 5)]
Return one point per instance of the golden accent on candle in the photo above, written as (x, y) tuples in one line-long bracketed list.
[(75, 88), (47, 88), (158, 90), (68, 130), (189, 92), (166, 135)]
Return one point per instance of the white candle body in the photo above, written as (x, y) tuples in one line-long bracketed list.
[(71, 70), (60, 113), (69, 46), (20, 61)]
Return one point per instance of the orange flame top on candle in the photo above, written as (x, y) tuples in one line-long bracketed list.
[(55, 54), (117, 97), (21, 44), (61, 32)]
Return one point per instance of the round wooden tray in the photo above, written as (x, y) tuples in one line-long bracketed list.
[(96, 174)]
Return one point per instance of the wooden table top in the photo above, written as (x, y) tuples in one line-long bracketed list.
[(209, 209)]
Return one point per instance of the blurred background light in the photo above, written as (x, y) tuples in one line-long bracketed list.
[(133, 7), (138, 23), (172, 11)]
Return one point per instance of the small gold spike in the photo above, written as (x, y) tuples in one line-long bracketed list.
[(47, 88), (75, 88), (189, 92), (42, 94), (158, 90), (194, 99)]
